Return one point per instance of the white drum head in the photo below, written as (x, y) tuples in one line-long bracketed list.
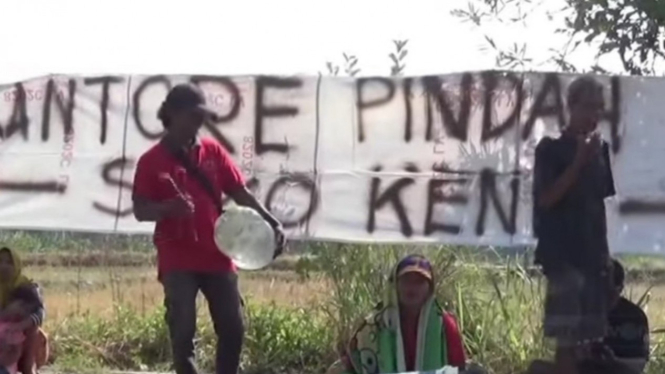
[(245, 237)]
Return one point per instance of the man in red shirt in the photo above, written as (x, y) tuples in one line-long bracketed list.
[(179, 184)]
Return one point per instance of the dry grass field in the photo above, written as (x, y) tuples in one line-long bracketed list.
[(97, 291), (76, 290), (104, 305)]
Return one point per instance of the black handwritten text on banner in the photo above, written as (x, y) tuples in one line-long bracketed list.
[(419, 159)]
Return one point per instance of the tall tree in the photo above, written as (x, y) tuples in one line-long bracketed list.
[(631, 30)]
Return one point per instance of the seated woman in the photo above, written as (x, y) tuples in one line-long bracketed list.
[(23, 344), (409, 331)]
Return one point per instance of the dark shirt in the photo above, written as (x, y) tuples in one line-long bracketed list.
[(628, 340), (629, 331), (32, 296), (573, 231)]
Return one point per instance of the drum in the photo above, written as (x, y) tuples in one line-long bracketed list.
[(245, 237)]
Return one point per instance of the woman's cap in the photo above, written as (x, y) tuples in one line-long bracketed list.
[(415, 264)]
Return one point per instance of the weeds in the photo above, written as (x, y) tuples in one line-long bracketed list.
[(299, 313)]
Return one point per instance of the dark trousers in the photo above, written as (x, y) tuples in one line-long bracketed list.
[(224, 303), (576, 305)]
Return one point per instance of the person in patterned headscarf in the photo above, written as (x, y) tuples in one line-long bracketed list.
[(408, 331)]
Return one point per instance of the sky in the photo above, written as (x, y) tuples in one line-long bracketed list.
[(248, 37)]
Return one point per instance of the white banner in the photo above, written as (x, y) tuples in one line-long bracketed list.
[(421, 159)]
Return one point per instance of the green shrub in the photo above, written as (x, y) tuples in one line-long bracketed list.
[(277, 340), (127, 341), (281, 340)]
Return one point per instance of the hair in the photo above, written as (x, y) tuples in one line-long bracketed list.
[(580, 87), (7, 251), (618, 273), (162, 115)]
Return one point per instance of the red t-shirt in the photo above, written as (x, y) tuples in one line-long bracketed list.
[(454, 343), (188, 243)]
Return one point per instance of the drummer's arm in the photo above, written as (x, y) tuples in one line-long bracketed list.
[(150, 211), (234, 186), (242, 196), (147, 208)]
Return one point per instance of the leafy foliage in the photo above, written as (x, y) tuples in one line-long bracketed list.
[(351, 68), (631, 30), (398, 57), (509, 13)]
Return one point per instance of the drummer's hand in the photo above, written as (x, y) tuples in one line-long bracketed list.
[(280, 240), (179, 206)]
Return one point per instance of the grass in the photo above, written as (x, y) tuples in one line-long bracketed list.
[(104, 303), (98, 291)]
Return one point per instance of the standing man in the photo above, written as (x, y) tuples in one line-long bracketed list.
[(572, 178), (179, 184)]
